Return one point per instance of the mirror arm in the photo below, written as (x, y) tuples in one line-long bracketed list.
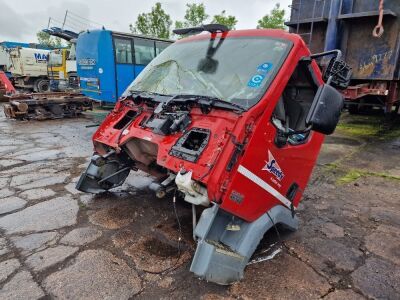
[(338, 54)]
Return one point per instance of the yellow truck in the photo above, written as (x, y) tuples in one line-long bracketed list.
[(61, 69)]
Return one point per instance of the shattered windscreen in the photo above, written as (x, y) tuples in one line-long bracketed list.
[(236, 69)]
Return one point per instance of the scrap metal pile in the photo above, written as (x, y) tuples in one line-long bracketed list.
[(42, 106)]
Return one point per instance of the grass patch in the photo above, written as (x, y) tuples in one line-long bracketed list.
[(331, 166), (364, 130), (368, 126), (382, 175), (353, 175)]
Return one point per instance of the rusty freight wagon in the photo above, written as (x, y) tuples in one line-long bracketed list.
[(368, 33)]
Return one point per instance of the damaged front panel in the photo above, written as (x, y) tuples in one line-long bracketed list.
[(103, 173), (223, 253), (191, 144)]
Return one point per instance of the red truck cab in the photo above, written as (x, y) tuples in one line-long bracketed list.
[(232, 120)]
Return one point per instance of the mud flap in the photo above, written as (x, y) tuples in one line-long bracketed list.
[(221, 254), (97, 179)]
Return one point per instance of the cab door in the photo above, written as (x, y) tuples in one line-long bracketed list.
[(125, 71), (274, 169)]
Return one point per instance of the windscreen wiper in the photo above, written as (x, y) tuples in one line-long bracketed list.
[(212, 28), (207, 102), (143, 95)]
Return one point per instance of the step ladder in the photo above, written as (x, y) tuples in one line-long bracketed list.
[(299, 8)]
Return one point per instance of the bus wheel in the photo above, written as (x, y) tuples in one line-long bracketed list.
[(42, 85)]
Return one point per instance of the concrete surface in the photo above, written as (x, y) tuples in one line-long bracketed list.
[(58, 243)]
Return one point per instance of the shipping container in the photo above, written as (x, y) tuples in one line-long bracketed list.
[(349, 26)]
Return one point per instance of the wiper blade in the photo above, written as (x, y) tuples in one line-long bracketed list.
[(208, 101), (147, 95), (212, 28)]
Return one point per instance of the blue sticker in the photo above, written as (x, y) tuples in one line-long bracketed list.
[(265, 67), (256, 81)]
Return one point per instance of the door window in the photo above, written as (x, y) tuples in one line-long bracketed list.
[(144, 51), (123, 51), (293, 106)]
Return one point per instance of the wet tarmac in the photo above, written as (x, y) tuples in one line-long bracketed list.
[(56, 242)]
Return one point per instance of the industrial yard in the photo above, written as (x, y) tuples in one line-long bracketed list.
[(58, 242)]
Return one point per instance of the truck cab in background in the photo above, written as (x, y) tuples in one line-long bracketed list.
[(29, 69), (5, 60), (62, 69)]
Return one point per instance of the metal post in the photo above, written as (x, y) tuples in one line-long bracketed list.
[(65, 18), (298, 16), (312, 24), (331, 41)]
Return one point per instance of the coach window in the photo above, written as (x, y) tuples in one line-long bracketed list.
[(160, 46), (123, 51), (144, 51)]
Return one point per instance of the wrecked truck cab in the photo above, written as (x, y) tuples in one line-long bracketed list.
[(233, 120)]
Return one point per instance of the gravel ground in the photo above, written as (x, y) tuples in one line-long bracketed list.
[(56, 242)]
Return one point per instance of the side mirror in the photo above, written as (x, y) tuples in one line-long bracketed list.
[(325, 111), (338, 73)]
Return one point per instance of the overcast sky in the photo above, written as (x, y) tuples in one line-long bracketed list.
[(20, 20)]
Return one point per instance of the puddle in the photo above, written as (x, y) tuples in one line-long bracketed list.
[(170, 230), (159, 248), (154, 255), (114, 217)]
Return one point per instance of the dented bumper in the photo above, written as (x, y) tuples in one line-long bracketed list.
[(102, 174)]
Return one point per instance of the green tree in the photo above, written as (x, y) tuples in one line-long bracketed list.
[(229, 21), (156, 23), (274, 20), (48, 40), (195, 16)]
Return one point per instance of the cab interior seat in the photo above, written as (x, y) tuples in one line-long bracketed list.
[(297, 99)]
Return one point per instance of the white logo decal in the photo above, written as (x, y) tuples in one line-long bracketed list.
[(272, 166)]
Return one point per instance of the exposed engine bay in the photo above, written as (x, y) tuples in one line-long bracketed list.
[(171, 122)]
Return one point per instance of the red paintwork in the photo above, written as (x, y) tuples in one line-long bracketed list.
[(253, 126), (356, 92), (5, 82)]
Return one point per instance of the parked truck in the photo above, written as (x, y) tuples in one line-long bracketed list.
[(62, 70), (367, 32), (29, 69), (5, 61)]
